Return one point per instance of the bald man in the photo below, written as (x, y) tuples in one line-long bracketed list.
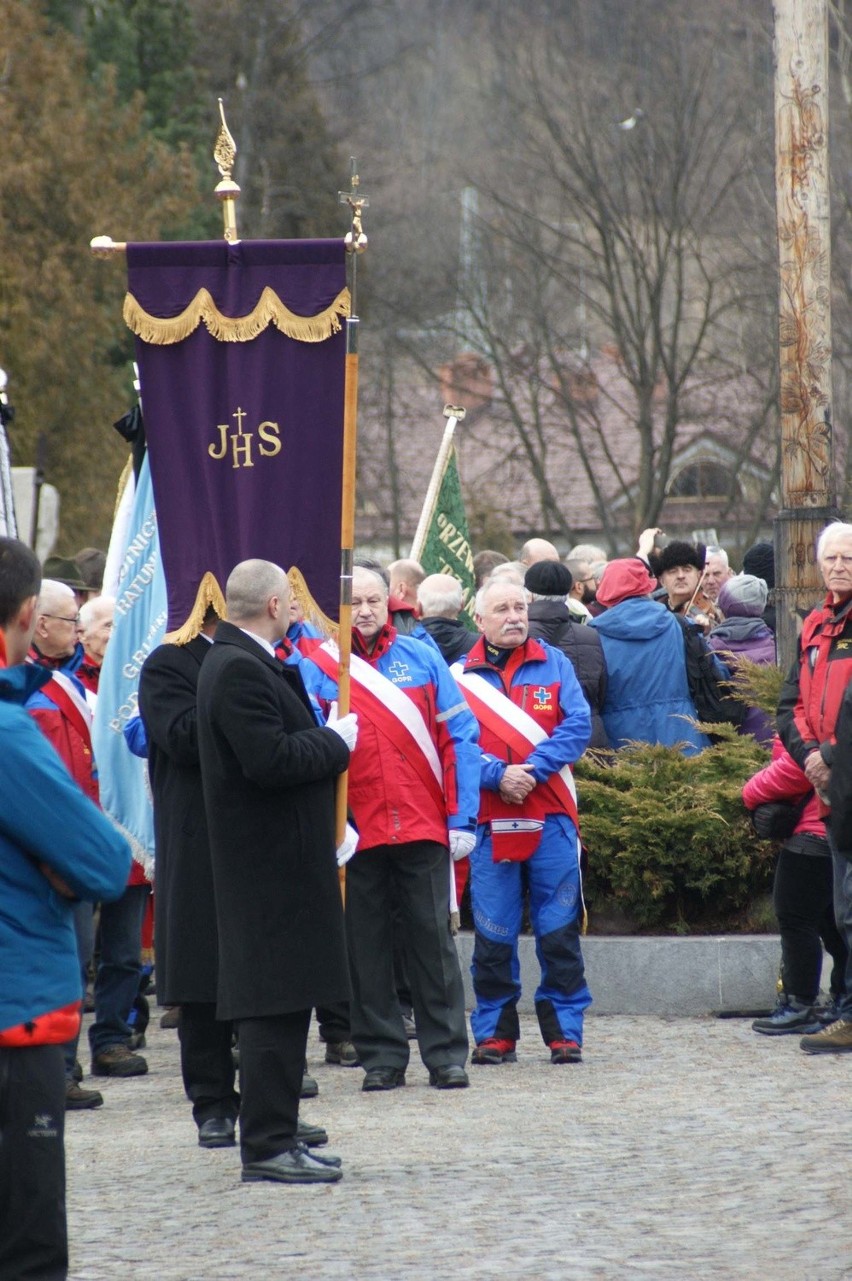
[(537, 549)]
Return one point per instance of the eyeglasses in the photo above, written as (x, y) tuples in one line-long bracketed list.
[(60, 618)]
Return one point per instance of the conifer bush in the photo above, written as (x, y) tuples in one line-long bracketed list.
[(669, 842)]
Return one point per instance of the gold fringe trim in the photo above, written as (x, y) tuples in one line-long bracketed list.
[(270, 310), (310, 609), (209, 593)]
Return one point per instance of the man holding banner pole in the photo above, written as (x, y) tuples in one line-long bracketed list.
[(534, 723)]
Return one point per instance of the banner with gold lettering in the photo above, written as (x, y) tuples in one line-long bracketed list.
[(241, 364)]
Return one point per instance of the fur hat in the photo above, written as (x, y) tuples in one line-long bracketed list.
[(623, 579), (679, 553), (743, 596), (548, 578)]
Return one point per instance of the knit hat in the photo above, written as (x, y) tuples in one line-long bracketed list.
[(548, 578), (63, 570), (744, 596), (623, 579), (679, 553), (760, 561)]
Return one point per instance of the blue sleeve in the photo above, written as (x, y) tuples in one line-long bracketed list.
[(571, 737), (459, 738), (44, 812), (135, 736)]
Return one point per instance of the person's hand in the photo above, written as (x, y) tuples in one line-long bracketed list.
[(817, 772), (346, 726), (347, 846), (646, 542), (461, 844), (517, 783)]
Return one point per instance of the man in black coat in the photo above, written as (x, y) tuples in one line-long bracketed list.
[(548, 582), (439, 600), (268, 777), (185, 920)]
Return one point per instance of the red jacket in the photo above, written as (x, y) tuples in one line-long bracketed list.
[(783, 780), (825, 669)]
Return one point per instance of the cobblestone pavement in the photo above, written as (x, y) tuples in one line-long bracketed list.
[(679, 1150)]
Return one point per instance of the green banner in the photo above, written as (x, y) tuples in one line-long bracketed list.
[(446, 548)]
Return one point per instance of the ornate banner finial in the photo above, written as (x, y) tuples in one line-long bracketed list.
[(225, 154), (355, 240)]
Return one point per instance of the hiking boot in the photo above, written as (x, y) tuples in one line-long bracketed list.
[(342, 1053), (171, 1018), (77, 1099), (790, 1015), (310, 1088), (834, 1039), (492, 1050), (118, 1060), (565, 1052)]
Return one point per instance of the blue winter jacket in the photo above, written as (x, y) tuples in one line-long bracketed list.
[(647, 695), (44, 818)]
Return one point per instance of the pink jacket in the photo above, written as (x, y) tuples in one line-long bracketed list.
[(783, 780)]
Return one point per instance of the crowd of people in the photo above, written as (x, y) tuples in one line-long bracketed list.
[(458, 747)]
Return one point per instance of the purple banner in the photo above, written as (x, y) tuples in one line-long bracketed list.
[(241, 356)]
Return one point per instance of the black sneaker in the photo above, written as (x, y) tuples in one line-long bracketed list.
[(118, 1060), (789, 1016)]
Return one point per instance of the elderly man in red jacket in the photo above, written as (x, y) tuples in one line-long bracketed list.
[(807, 719)]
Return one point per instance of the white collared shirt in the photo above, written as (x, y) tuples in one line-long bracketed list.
[(267, 645)]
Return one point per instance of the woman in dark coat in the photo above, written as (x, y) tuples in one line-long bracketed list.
[(268, 773)]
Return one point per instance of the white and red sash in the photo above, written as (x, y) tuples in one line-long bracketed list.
[(515, 833), (62, 691), (386, 707)]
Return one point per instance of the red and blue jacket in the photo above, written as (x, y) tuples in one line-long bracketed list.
[(812, 696), (387, 797), (47, 826), (541, 681)]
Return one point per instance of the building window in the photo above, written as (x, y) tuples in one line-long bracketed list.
[(704, 479)]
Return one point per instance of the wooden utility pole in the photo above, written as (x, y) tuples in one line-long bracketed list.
[(808, 482)]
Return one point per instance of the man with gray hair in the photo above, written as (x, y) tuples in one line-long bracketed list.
[(268, 776), (808, 712), (439, 602)]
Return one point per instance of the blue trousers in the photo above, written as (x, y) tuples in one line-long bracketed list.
[(117, 979), (552, 880)]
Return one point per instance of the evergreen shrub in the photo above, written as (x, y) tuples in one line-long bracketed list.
[(669, 842)]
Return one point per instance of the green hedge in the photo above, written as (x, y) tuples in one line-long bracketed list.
[(669, 843)]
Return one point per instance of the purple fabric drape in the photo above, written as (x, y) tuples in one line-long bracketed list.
[(245, 438)]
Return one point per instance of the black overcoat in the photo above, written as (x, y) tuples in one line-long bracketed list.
[(185, 915), (268, 773)]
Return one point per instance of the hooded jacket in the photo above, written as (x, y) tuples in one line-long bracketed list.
[(647, 696), (44, 819)]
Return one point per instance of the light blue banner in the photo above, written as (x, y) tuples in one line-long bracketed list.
[(138, 627)]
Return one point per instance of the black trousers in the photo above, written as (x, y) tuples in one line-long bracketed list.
[(804, 904), (333, 1022), (414, 877), (33, 1232), (272, 1060), (207, 1063)]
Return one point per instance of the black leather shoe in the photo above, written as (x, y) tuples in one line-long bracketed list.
[(217, 1132), (313, 1136), (450, 1077), (383, 1078), (309, 1089), (333, 1162), (295, 1166)]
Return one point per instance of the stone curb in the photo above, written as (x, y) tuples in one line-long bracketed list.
[(662, 975)]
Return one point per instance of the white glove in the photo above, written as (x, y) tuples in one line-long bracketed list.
[(348, 845), (346, 726), (461, 844)]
